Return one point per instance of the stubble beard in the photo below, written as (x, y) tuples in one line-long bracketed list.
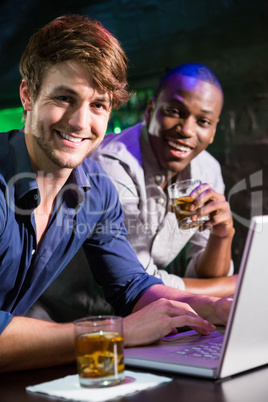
[(54, 155)]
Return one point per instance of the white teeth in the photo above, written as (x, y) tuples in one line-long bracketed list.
[(179, 147), (69, 138)]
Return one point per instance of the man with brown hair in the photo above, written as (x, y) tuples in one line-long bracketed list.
[(54, 199)]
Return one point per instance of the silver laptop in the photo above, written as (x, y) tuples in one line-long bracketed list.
[(242, 345)]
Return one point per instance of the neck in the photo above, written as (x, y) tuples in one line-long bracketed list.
[(49, 186), (170, 178)]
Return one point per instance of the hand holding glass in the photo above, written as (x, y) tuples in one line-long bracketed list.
[(99, 348), (179, 194)]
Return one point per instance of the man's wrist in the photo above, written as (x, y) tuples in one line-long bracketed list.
[(205, 306), (229, 235)]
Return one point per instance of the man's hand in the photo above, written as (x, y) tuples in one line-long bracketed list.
[(182, 303), (161, 318), (214, 205)]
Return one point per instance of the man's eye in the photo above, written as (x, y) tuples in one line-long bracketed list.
[(172, 111), (98, 106), (64, 98), (204, 122)]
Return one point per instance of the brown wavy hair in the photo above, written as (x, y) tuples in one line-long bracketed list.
[(77, 38)]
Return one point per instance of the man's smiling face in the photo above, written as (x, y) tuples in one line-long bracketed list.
[(182, 120), (68, 120)]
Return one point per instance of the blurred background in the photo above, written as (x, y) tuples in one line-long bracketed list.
[(229, 36)]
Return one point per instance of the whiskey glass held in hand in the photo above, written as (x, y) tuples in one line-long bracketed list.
[(179, 194)]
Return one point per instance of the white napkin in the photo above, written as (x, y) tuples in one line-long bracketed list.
[(69, 388)]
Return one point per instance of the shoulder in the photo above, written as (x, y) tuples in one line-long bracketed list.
[(90, 165), (6, 155), (120, 155), (207, 162), (206, 158), (210, 170), (5, 174), (121, 146), (6, 137), (95, 173), (5, 146)]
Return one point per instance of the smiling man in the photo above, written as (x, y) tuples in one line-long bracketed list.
[(180, 122)]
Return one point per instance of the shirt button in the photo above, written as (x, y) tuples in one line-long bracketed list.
[(161, 200), (158, 178), (33, 251)]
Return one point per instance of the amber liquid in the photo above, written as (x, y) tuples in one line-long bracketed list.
[(181, 206), (99, 355)]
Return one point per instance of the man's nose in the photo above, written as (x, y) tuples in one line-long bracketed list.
[(80, 118), (187, 126)]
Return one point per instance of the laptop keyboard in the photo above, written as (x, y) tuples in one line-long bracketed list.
[(206, 350)]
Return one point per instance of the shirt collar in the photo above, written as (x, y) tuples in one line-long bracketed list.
[(78, 184), (24, 181), (150, 163)]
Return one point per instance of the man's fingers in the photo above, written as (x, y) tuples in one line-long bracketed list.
[(195, 322), (181, 314)]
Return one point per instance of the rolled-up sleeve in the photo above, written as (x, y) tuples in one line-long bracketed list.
[(5, 319), (117, 269)]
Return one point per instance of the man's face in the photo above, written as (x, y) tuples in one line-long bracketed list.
[(183, 120), (67, 121)]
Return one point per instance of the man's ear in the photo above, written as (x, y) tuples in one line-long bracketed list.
[(25, 96), (212, 137), (213, 134), (149, 110)]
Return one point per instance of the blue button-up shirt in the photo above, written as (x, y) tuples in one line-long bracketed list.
[(87, 212)]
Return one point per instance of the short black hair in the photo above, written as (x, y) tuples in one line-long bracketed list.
[(195, 70)]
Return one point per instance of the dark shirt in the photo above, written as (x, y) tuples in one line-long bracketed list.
[(87, 212)]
